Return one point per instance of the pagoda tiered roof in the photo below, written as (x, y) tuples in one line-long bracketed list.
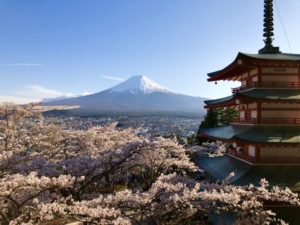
[(246, 62), (257, 94), (256, 134)]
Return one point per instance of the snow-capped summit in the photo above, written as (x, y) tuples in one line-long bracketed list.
[(139, 84)]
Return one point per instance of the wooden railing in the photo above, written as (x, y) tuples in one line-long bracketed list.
[(267, 121), (280, 121), (266, 85), (279, 160), (244, 121), (244, 87), (239, 155), (266, 160)]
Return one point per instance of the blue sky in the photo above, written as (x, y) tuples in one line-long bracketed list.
[(72, 47)]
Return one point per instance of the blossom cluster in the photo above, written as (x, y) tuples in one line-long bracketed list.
[(211, 149), (109, 176)]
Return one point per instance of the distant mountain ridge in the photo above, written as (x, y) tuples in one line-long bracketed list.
[(137, 94)]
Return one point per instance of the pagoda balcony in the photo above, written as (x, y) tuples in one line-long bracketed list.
[(266, 85), (239, 155), (267, 121), (278, 160)]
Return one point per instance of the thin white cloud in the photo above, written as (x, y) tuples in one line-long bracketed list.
[(17, 99), (113, 78), (42, 92), (37, 93), (86, 93), (21, 64)]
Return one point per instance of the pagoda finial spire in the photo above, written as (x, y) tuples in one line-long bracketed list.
[(268, 29), (268, 23)]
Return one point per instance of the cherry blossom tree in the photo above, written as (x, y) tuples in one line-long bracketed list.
[(110, 176)]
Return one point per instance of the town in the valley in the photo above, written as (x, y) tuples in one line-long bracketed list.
[(146, 125)]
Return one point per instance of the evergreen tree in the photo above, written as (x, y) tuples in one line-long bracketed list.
[(215, 118), (226, 115), (211, 119)]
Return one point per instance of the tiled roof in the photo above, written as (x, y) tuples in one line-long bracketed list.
[(271, 134), (234, 68), (262, 94), (219, 100), (279, 56), (226, 132), (272, 94), (257, 134)]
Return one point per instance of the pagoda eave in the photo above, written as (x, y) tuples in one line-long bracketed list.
[(209, 137), (249, 100), (231, 73), (291, 96), (216, 106), (222, 102), (246, 62), (233, 70), (263, 134)]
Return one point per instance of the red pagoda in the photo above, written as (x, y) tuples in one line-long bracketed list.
[(264, 139), (266, 134)]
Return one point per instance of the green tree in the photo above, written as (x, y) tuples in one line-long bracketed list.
[(215, 118), (192, 139), (211, 119), (226, 115)]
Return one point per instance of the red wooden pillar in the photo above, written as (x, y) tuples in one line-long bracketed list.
[(259, 74), (257, 153), (258, 112), (244, 151)]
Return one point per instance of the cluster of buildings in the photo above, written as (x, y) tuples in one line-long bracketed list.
[(148, 125), (78, 123), (162, 125)]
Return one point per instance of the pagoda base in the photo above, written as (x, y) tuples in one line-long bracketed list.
[(269, 50)]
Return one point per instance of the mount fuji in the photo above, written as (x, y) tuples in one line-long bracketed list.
[(137, 94)]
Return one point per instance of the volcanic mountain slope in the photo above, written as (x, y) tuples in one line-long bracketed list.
[(137, 94)]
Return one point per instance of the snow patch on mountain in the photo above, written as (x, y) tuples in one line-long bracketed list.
[(140, 84)]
